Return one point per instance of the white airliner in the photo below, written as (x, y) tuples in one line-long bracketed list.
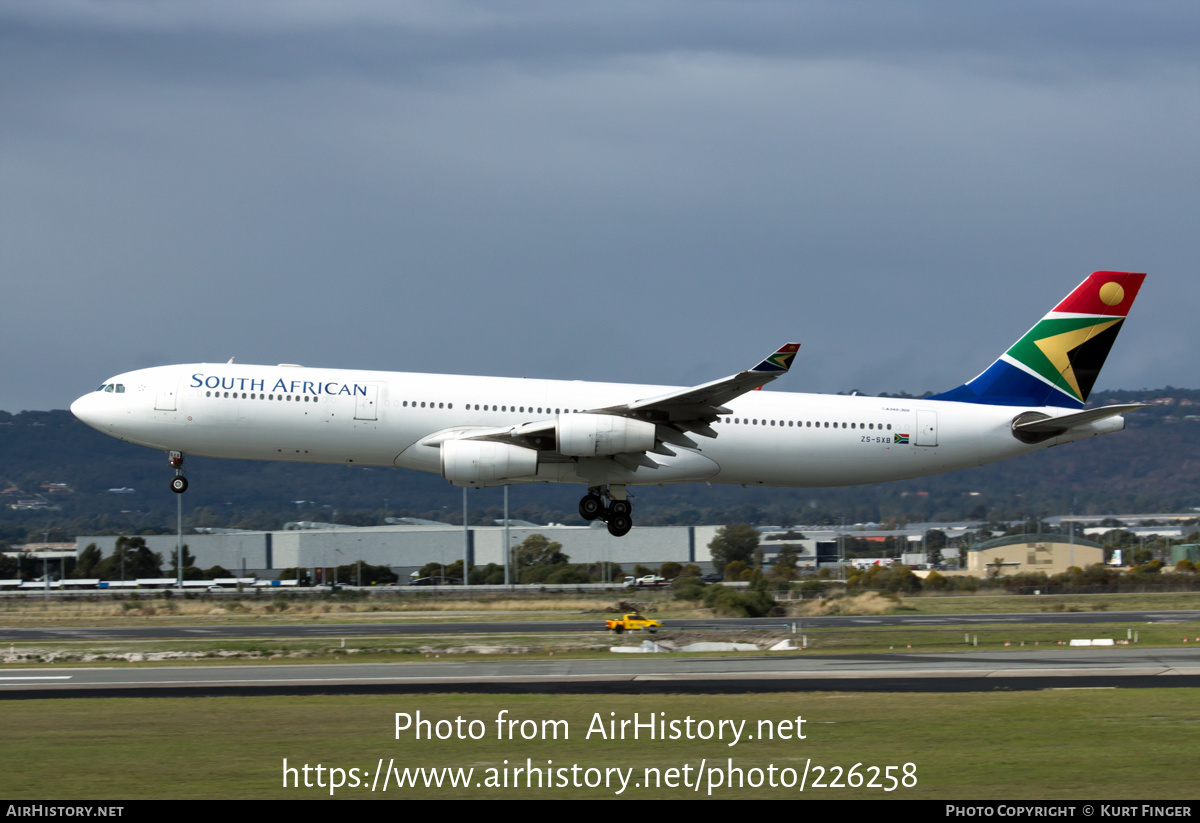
[(492, 431)]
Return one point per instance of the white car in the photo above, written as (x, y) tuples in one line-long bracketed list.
[(649, 581)]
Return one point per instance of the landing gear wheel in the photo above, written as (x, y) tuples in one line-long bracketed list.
[(621, 507), (619, 524), (179, 484), (591, 507)]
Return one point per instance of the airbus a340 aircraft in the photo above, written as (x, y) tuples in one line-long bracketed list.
[(493, 431)]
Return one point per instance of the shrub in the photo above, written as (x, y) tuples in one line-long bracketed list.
[(689, 588), (812, 587), (490, 575), (936, 582), (569, 573), (733, 571), (670, 570), (729, 602)]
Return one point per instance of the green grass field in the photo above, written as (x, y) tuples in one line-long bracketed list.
[(1082, 744)]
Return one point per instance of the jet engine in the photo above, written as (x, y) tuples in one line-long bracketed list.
[(483, 463), (592, 435)]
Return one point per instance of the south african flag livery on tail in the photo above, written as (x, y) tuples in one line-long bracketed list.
[(1057, 361)]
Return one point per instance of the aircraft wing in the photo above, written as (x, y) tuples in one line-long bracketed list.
[(674, 414), (707, 400)]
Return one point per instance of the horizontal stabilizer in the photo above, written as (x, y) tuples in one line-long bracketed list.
[(1065, 422)]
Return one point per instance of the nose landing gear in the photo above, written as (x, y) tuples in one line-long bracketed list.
[(616, 513), (179, 483)]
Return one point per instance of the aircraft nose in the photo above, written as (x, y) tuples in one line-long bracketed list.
[(85, 410)]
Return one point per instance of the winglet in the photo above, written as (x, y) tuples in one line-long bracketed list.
[(780, 361)]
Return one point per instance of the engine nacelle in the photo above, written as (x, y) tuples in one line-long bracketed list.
[(483, 463), (592, 435)]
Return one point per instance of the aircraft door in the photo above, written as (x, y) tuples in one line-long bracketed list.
[(927, 428), (365, 406), (165, 400)]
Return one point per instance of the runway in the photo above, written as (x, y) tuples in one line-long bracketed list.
[(592, 624), (1118, 667)]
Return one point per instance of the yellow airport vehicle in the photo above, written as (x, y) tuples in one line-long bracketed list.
[(632, 623)]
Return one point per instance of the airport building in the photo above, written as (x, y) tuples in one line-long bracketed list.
[(1048, 553), (406, 548)]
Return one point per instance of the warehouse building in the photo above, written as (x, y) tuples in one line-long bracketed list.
[(1048, 553), (407, 548)]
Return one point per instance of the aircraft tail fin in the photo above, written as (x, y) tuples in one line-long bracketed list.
[(1057, 361)]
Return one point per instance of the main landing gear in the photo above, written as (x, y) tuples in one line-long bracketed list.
[(608, 503), (178, 482)]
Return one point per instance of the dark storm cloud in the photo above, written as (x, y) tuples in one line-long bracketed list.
[(652, 192)]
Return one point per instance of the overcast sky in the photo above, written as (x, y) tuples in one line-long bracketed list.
[(646, 191)]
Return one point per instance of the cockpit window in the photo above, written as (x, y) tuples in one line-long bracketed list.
[(120, 388), (109, 387), (102, 388)]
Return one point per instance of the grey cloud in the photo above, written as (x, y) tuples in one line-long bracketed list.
[(642, 192)]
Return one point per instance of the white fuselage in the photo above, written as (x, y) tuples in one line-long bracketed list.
[(388, 418)]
